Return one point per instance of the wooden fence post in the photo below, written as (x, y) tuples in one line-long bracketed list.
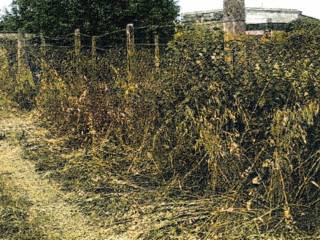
[(42, 51), (94, 47), (77, 42), (130, 50), (20, 50), (157, 51)]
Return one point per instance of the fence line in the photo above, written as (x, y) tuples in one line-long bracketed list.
[(77, 44), (151, 27)]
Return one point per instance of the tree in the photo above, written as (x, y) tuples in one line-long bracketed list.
[(94, 17)]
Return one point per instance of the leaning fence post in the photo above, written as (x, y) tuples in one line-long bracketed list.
[(130, 50), (20, 50), (94, 47), (157, 51), (77, 42)]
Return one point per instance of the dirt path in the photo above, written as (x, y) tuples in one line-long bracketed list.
[(53, 212), (57, 218)]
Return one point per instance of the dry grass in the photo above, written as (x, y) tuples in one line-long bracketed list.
[(127, 212), (15, 221), (212, 146), (59, 219), (132, 210)]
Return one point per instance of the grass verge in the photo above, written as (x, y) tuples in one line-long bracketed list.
[(129, 205), (14, 217)]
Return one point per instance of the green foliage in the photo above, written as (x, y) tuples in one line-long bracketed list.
[(92, 17)]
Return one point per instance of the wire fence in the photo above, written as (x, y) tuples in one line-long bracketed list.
[(154, 93), (130, 52), (144, 35), (152, 40)]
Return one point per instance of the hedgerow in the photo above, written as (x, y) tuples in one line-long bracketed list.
[(237, 117)]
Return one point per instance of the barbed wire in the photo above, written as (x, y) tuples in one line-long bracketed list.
[(150, 44), (151, 27), (106, 48), (85, 35), (55, 46), (58, 38), (110, 33), (69, 37)]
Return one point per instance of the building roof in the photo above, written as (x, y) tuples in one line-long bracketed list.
[(253, 15)]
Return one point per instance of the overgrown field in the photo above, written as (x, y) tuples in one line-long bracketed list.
[(237, 120)]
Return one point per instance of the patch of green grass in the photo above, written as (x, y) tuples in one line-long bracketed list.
[(15, 223)]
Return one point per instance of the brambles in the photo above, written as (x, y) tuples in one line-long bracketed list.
[(244, 122)]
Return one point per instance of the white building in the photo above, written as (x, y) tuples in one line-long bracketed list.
[(269, 15), (256, 18), (253, 15)]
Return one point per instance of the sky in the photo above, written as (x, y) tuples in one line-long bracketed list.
[(4, 4), (309, 7)]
